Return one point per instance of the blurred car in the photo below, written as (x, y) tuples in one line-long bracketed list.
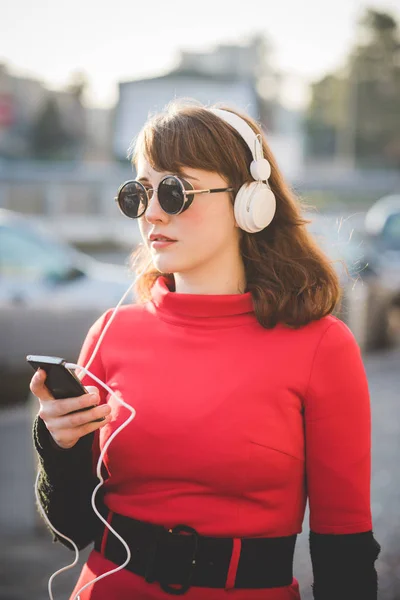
[(50, 294), (369, 285), (382, 224), (382, 227)]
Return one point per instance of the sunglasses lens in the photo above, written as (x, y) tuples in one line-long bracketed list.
[(132, 200), (170, 195)]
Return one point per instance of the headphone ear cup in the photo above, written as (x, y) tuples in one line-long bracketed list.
[(255, 206)]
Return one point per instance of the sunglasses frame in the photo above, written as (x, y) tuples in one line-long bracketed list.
[(186, 193)]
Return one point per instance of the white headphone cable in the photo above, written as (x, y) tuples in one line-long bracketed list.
[(101, 480), (99, 462)]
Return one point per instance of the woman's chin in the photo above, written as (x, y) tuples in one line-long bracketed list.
[(165, 264)]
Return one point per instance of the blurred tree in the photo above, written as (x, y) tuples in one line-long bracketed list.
[(323, 116), (49, 140), (375, 83), (354, 114)]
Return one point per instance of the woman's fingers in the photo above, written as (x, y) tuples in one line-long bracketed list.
[(69, 419), (67, 429), (59, 408), (55, 408), (67, 438), (76, 419)]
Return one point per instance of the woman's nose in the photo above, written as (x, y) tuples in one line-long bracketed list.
[(154, 212)]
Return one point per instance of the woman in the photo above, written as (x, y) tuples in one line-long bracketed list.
[(250, 396)]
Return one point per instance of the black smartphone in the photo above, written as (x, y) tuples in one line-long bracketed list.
[(60, 381)]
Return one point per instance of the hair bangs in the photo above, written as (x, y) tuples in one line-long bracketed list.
[(183, 139)]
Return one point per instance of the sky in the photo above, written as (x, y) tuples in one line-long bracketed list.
[(118, 41)]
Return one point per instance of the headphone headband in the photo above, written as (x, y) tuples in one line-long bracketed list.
[(250, 137)]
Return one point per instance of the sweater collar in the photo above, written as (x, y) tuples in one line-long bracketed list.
[(200, 306)]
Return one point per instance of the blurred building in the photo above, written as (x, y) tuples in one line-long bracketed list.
[(29, 112), (20, 101), (99, 134), (245, 61), (139, 99), (229, 74)]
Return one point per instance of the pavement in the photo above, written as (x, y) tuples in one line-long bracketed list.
[(28, 556)]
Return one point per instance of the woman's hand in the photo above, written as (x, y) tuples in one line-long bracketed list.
[(66, 429)]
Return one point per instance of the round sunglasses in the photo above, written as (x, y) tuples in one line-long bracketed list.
[(175, 195)]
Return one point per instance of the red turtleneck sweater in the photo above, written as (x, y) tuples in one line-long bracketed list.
[(235, 426)]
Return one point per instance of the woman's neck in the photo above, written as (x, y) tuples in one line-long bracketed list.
[(217, 279)]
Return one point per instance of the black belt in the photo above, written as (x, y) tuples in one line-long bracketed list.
[(181, 557)]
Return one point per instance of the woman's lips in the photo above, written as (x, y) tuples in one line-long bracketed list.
[(159, 244)]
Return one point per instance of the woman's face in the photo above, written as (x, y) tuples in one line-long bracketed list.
[(204, 233)]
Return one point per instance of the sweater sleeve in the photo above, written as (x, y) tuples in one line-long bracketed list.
[(338, 470), (67, 477)]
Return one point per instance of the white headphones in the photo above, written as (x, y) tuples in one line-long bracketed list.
[(255, 203)]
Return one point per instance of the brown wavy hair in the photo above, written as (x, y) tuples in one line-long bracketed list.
[(290, 278)]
